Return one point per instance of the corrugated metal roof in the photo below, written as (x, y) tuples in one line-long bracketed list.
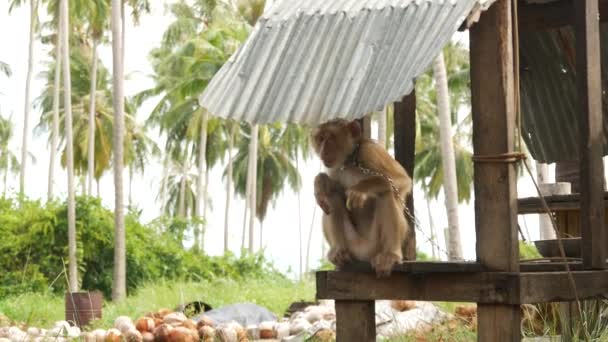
[(549, 93), (311, 61)]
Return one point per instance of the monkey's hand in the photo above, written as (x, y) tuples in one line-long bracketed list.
[(355, 199), (339, 256), (324, 188)]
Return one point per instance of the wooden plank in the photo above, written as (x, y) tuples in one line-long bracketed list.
[(485, 287), (588, 82), (533, 205), (417, 267), (551, 15), (355, 321), (421, 267), (405, 143), (493, 108), (549, 266), (555, 286)]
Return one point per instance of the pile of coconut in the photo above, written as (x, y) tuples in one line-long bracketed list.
[(233, 325), (168, 326)]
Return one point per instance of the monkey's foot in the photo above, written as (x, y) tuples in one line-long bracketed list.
[(339, 256), (383, 263)]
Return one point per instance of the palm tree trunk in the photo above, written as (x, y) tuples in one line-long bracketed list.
[(123, 30), (261, 234), (181, 205), (98, 192), (26, 111), (203, 226), (382, 127), (200, 193), (247, 194), (447, 153), (245, 212), (228, 188), (312, 225), (91, 154), (253, 153), (432, 227), (67, 104), (4, 183), (55, 129), (119, 288), (130, 186), (299, 222), (163, 185)]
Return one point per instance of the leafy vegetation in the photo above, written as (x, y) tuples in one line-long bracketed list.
[(34, 249)]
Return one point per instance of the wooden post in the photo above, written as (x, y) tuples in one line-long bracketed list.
[(493, 105), (355, 321), (588, 83), (405, 143)]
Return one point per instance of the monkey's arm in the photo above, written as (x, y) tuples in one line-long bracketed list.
[(375, 185), (375, 157)]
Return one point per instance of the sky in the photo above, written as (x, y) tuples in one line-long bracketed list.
[(284, 222)]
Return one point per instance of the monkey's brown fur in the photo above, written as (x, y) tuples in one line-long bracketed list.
[(363, 219)]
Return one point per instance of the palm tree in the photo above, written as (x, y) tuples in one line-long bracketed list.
[(28, 81), (194, 47), (119, 286), (81, 98), (429, 169), (232, 127), (447, 155), (72, 257), (180, 184), (8, 161), (274, 168), (98, 22), (55, 127)]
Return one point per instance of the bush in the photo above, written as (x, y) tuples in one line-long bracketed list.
[(34, 249)]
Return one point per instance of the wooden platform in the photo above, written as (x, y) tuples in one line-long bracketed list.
[(463, 282)]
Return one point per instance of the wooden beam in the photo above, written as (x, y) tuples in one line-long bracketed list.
[(588, 82), (486, 287), (533, 205), (551, 15), (493, 107), (420, 267), (405, 143), (556, 287), (355, 321)]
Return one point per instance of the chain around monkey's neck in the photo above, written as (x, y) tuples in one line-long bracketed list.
[(353, 158)]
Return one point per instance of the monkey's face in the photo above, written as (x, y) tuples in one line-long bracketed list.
[(334, 141)]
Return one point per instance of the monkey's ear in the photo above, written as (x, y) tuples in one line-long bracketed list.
[(354, 129)]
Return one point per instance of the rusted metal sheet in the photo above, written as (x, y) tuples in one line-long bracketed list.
[(548, 93)]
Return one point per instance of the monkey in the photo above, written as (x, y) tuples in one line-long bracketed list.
[(363, 213)]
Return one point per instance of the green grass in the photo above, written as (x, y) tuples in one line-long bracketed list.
[(274, 294)]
